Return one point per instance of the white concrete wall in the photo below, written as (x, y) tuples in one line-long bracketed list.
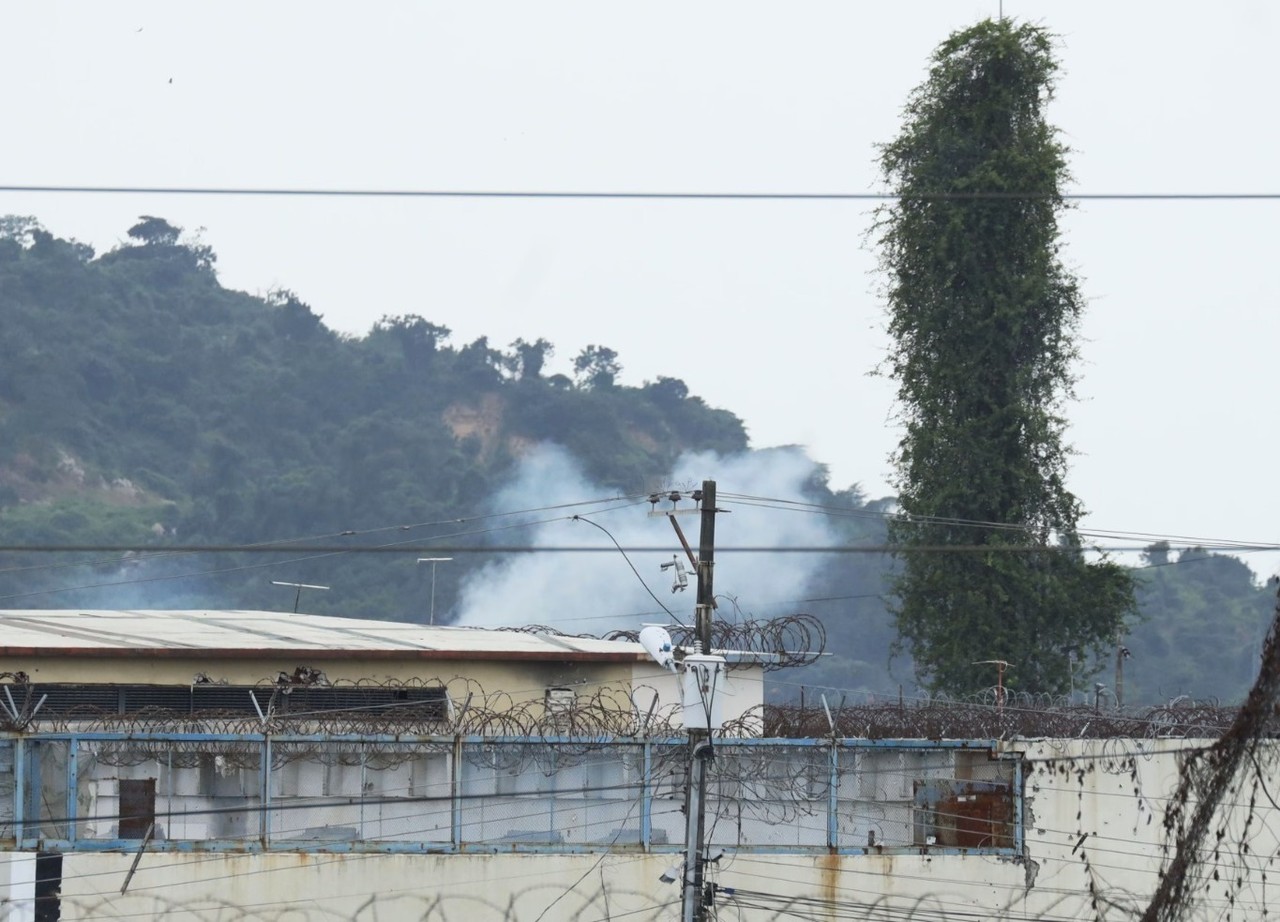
[(17, 886)]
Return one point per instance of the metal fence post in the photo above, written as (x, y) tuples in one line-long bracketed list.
[(264, 795), (646, 795), (455, 793), (833, 800), (73, 748), (19, 788)]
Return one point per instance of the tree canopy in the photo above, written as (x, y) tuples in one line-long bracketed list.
[(983, 315)]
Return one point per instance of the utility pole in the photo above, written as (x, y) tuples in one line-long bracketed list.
[(701, 674), (700, 751), (706, 561), (1122, 654)]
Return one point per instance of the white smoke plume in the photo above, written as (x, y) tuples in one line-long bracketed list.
[(593, 593)]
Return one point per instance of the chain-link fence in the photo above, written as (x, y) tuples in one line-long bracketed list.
[(361, 792), (464, 794), (208, 790), (535, 794)]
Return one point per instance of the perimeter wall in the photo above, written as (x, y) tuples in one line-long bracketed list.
[(325, 828)]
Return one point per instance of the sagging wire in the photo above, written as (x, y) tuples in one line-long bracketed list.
[(582, 518)]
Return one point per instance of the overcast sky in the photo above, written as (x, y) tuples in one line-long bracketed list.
[(768, 309)]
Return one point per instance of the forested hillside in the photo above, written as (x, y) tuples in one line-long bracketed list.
[(1204, 617), (143, 404)]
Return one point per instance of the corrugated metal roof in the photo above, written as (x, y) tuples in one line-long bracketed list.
[(177, 633)]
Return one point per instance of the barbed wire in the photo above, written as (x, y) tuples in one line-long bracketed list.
[(565, 723), (981, 717), (772, 644), (573, 718)]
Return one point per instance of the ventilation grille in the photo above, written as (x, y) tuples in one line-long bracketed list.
[(64, 700)]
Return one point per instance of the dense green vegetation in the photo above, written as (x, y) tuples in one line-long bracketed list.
[(143, 404), (142, 401), (1204, 618), (983, 315)]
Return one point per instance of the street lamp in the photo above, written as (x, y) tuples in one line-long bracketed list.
[(433, 561)]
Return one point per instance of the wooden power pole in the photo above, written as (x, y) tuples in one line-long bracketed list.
[(694, 900)]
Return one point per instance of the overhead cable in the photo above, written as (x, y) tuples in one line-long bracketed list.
[(333, 192)]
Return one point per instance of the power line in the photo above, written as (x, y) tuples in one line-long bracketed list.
[(782, 864), (767, 502), (311, 552), (302, 545), (154, 551), (291, 544), (579, 518), (267, 191), (313, 860)]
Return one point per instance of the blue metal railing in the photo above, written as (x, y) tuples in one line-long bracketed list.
[(348, 793)]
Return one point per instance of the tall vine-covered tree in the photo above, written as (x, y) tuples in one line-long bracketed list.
[(983, 315)]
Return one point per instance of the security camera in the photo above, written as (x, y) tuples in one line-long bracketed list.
[(673, 873), (657, 641)]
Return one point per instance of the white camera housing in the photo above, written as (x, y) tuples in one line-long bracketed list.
[(657, 641), (672, 874)]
